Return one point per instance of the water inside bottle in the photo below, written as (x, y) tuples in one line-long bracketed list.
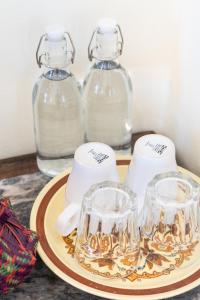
[(58, 123), (108, 108)]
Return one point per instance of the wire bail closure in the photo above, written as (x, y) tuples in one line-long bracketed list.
[(43, 37), (120, 43)]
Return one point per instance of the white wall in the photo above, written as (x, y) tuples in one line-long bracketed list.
[(162, 43)]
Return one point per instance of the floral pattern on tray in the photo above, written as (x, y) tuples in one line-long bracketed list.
[(154, 260)]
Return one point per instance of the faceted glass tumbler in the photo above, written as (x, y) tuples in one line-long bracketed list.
[(172, 213), (108, 235)]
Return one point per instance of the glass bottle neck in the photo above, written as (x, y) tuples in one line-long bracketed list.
[(106, 46), (55, 50), (56, 55), (106, 43), (56, 60)]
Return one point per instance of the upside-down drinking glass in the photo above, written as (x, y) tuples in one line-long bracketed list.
[(172, 212), (108, 235)]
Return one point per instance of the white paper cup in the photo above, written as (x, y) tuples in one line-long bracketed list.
[(153, 154), (93, 163)]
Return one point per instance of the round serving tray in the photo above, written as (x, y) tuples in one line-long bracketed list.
[(53, 251)]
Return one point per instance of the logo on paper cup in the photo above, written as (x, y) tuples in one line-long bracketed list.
[(99, 157), (158, 148)]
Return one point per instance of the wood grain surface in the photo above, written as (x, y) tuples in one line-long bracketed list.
[(20, 165)]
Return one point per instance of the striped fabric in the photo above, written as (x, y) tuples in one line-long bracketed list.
[(17, 249)]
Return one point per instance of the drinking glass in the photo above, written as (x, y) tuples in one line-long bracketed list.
[(108, 235), (171, 212)]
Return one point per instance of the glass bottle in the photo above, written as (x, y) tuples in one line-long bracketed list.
[(57, 108), (107, 94)]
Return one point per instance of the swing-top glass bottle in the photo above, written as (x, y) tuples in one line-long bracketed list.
[(56, 104), (107, 94)]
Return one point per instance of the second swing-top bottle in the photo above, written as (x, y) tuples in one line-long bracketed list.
[(107, 91)]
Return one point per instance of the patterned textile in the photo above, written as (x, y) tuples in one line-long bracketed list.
[(17, 249)]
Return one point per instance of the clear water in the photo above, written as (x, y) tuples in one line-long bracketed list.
[(57, 120), (108, 105)]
